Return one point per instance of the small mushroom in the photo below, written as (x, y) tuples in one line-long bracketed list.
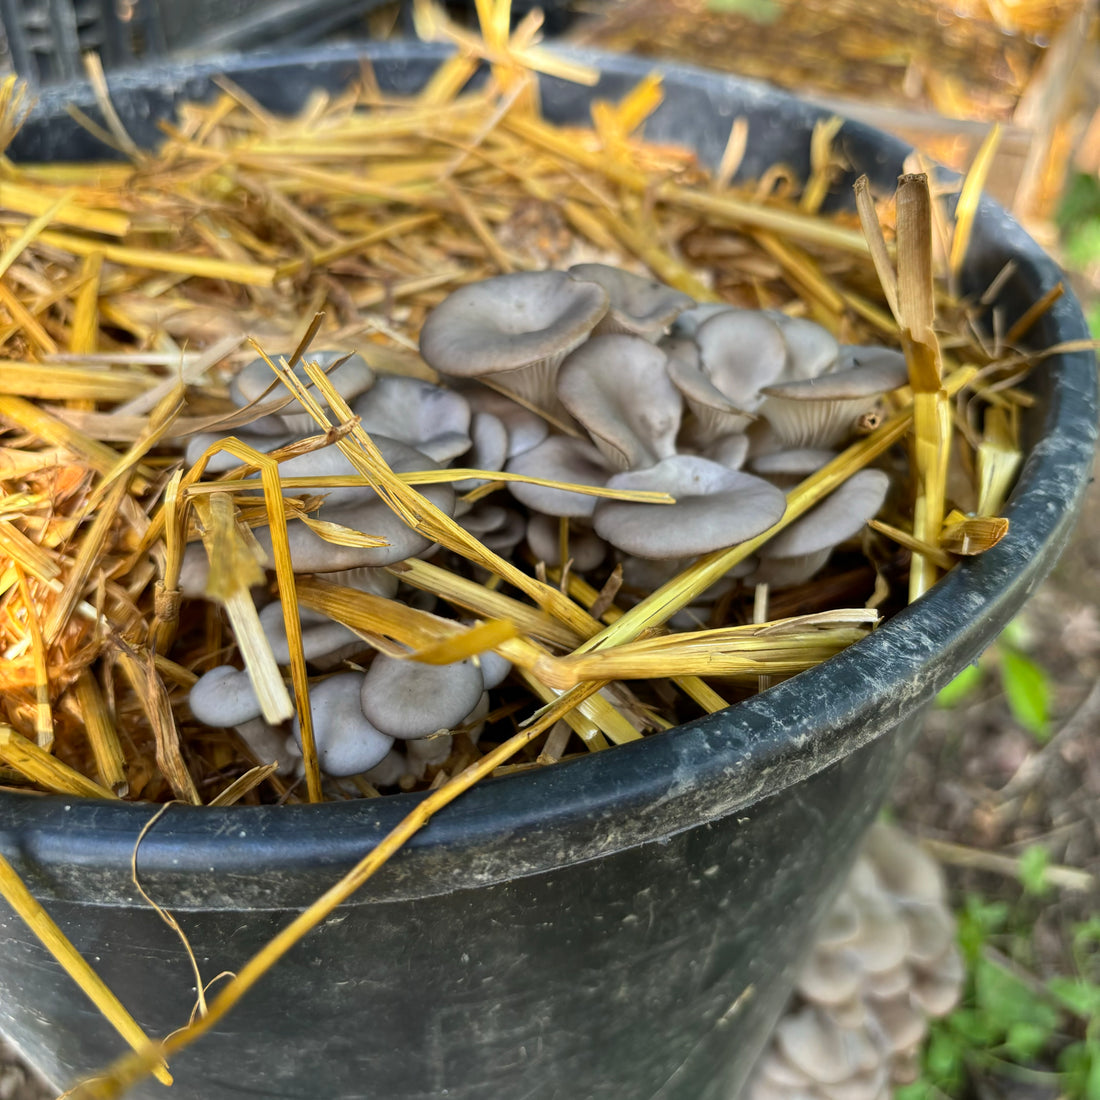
[(495, 669), (637, 305), (812, 1042), (715, 507), (730, 450), (488, 450), (688, 322), (617, 387), (797, 552), (224, 697), (786, 469), (811, 349), (408, 699), (740, 351), (434, 420), (221, 461), (559, 458), (830, 977), (500, 529), (513, 330), (824, 411), (321, 636), (525, 428), (351, 376), (586, 548), (347, 742), (365, 511)]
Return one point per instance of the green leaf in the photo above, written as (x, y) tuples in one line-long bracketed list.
[(945, 1059), (1027, 691), (1034, 861), (1008, 1001), (1080, 997), (1025, 1041), (961, 688), (1092, 1081), (975, 1027), (1082, 245), (1080, 202), (918, 1090), (759, 11)]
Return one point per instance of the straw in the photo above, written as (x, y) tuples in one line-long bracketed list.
[(90, 983)]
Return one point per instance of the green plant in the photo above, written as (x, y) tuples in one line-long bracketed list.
[(1011, 1024), (1025, 683)]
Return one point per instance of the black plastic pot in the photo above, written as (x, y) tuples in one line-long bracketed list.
[(623, 926)]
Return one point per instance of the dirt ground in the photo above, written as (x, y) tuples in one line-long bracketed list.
[(977, 779)]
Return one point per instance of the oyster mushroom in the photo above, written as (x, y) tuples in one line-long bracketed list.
[(715, 507), (434, 420), (513, 330), (638, 305), (800, 550), (363, 510), (739, 351), (347, 742), (811, 349), (617, 387), (823, 411), (224, 699), (586, 548), (409, 700), (350, 376), (488, 450), (559, 458), (525, 429)]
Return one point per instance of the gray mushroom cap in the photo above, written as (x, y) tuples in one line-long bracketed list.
[(351, 378), (741, 352), (813, 1043), (494, 671), (730, 450), (320, 634), (811, 349), (525, 428), (687, 324), (223, 460), (617, 387), (371, 515), (586, 548), (488, 450), (823, 411), (559, 458), (347, 741), (408, 699), (838, 517), (738, 352), (791, 466), (500, 529), (224, 697), (434, 420), (637, 304), (515, 329), (715, 507)]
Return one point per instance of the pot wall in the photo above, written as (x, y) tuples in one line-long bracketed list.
[(589, 930)]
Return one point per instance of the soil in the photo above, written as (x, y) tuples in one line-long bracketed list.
[(978, 779)]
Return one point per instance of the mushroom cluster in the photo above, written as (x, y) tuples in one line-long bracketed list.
[(592, 376), (884, 962)]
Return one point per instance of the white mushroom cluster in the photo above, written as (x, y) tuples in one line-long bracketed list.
[(593, 376), (884, 962)]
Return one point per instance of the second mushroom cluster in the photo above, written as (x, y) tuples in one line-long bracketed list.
[(592, 376)]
